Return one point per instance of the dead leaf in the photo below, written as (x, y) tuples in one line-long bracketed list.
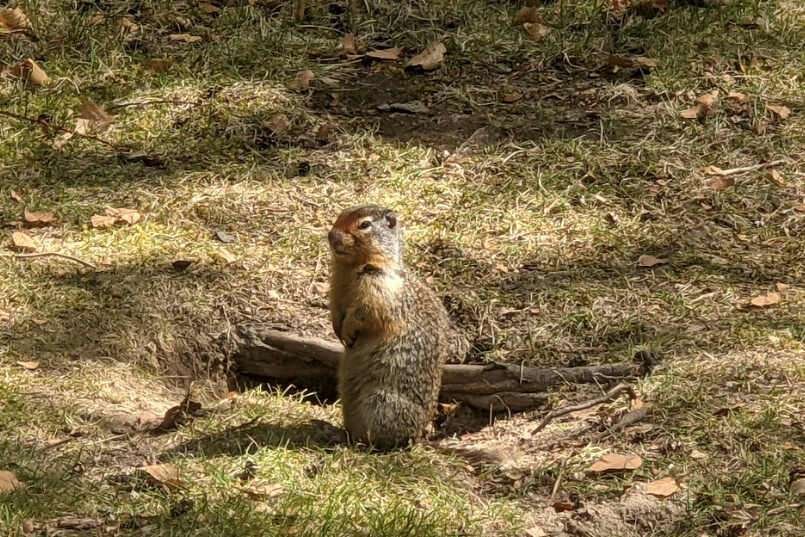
[(28, 526), (708, 100), (38, 218), (81, 127), (763, 301), (527, 14), (536, 31), (798, 487), (536, 531), (163, 474), (782, 287), (100, 221), (30, 366), (226, 256), (127, 24), (712, 170), (738, 97), (388, 54), (663, 488), (324, 134), (429, 59), (264, 491), (208, 8), (278, 124), (13, 20), (651, 261), (180, 414), (413, 107), (158, 65), (510, 95), (780, 111), (721, 183), (9, 482), (691, 113), (15, 196), (185, 38), (31, 72), (698, 455), (94, 113), (348, 45), (303, 80), (777, 178), (129, 216), (612, 462), (22, 242)]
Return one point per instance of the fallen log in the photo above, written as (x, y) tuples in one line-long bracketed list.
[(280, 356)]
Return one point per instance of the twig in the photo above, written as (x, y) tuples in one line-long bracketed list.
[(58, 128), (630, 418), (51, 254), (607, 397), (744, 169), (148, 102)]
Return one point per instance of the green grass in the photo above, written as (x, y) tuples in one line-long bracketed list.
[(531, 230)]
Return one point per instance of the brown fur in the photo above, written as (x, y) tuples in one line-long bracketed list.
[(395, 331)]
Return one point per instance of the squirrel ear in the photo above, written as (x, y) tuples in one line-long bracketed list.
[(391, 219)]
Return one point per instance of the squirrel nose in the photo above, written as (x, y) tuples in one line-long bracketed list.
[(335, 237)]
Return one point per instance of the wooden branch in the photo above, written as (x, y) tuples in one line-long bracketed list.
[(50, 254), (611, 395), (277, 355)]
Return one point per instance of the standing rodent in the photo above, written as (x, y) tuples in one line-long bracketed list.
[(396, 333)]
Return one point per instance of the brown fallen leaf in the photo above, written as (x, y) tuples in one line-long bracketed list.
[(712, 170), (158, 65), (738, 97), (388, 54), (208, 8), (264, 491), (777, 178), (31, 72), (526, 14), (30, 366), (180, 414), (764, 301), (780, 111), (429, 59), (536, 31), (278, 124), (782, 287), (698, 455), (798, 487), (663, 488), (22, 242), (324, 134), (348, 46), (13, 20), (81, 127), (129, 216), (36, 218), (303, 80), (536, 531), (720, 183), (100, 221), (163, 474), (9, 482), (226, 256), (705, 104), (510, 95), (185, 38), (612, 462), (15, 196), (94, 113), (651, 261)]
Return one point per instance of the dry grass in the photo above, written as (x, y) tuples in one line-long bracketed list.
[(531, 229)]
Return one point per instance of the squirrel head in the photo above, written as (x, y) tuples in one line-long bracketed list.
[(367, 235)]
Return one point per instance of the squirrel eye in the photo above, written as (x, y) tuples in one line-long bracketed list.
[(366, 224)]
